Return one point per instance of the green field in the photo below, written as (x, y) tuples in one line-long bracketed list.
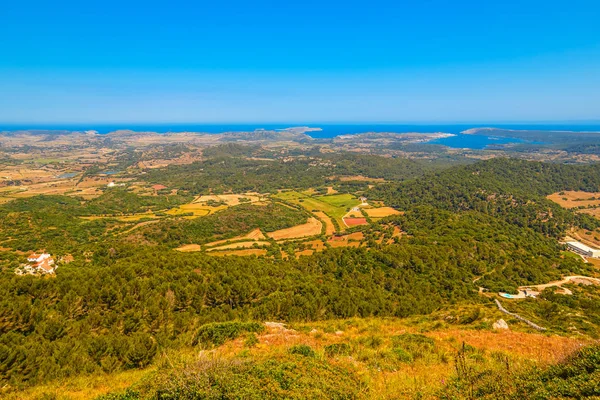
[(336, 205), (340, 200)]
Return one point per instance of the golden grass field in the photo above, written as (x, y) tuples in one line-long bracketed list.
[(240, 245), (360, 178), (189, 248), (329, 227), (199, 210), (245, 252), (255, 234), (230, 199), (593, 239), (381, 212), (310, 228), (572, 199), (594, 212)]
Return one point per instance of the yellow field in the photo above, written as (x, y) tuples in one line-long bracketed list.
[(381, 212), (359, 178), (199, 210), (572, 199), (229, 199), (311, 228), (245, 252), (189, 248), (255, 234), (594, 212), (240, 245), (329, 227)]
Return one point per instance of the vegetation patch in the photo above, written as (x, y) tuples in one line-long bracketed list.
[(216, 334)]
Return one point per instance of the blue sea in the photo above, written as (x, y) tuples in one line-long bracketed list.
[(329, 131)]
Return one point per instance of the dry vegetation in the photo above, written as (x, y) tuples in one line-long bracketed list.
[(245, 252), (240, 245), (573, 199), (310, 228), (381, 212)]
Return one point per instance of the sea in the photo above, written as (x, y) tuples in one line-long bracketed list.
[(329, 130)]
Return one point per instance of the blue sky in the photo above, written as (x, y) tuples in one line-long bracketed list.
[(309, 61)]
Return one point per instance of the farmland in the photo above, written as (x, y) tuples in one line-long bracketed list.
[(575, 199), (335, 206)]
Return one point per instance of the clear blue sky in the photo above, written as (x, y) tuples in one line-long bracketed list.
[(301, 61)]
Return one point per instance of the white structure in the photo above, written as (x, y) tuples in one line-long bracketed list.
[(36, 258), (42, 263), (582, 249)]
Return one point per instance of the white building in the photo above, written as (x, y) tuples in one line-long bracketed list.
[(582, 249), (42, 263), (36, 258)]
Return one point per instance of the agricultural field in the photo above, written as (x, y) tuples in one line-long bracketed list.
[(574, 199), (335, 206), (311, 228), (198, 210), (329, 227), (189, 248), (241, 253), (255, 234), (229, 199), (381, 212), (240, 245)]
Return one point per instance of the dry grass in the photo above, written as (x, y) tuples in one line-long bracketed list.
[(593, 239), (81, 388), (304, 253), (381, 212), (594, 212), (199, 210), (229, 199), (310, 228), (245, 252), (255, 234), (360, 178), (329, 227), (240, 245), (189, 248), (572, 199)]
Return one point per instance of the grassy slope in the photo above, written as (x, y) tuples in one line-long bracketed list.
[(377, 358)]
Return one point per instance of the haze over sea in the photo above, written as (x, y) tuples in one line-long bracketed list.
[(329, 130)]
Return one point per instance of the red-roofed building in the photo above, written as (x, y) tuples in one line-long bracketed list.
[(159, 187)]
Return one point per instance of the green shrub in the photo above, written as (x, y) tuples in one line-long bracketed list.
[(337, 349), (408, 346), (216, 334), (251, 340), (402, 355), (302, 350)]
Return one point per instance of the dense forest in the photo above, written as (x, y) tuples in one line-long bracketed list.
[(219, 173)]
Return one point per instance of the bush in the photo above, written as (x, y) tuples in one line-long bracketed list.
[(302, 350), (216, 334), (408, 346), (337, 349), (251, 340)]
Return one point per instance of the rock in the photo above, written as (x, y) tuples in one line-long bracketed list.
[(275, 325), (500, 324), (314, 331), (339, 332)]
